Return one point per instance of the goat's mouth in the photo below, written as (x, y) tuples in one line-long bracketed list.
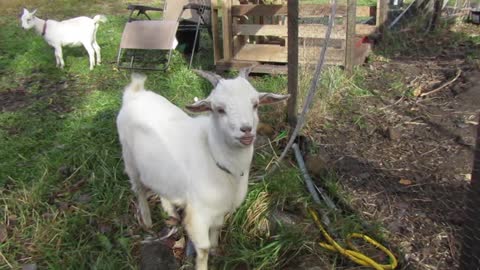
[(246, 140)]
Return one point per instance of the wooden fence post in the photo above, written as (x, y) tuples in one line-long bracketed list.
[(227, 30), (350, 38), (382, 14), (214, 23), (292, 61)]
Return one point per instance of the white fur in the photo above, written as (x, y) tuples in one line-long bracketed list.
[(73, 32), (175, 155)]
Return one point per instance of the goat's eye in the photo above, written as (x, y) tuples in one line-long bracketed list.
[(255, 106), (221, 110)]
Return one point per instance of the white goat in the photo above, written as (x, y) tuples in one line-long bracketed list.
[(73, 32), (198, 163)]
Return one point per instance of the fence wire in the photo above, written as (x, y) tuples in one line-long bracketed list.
[(470, 258)]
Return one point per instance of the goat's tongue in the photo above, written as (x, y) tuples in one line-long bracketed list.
[(247, 140)]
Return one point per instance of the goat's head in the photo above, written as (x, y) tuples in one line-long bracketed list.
[(233, 104), (27, 19)]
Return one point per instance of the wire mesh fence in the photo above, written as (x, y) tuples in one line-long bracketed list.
[(399, 137), (470, 258)]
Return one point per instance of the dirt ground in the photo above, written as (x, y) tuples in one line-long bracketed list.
[(407, 164)]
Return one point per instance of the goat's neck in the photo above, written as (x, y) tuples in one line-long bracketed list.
[(39, 23), (235, 159)]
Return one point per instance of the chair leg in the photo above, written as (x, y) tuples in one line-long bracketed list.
[(168, 59), (131, 61), (118, 56), (197, 30)]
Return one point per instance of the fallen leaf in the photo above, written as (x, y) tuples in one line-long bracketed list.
[(417, 92), (405, 182)]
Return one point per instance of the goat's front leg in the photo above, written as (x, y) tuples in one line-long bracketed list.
[(214, 237), (215, 230), (198, 230), (91, 54), (59, 57)]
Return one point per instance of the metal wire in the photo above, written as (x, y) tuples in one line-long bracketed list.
[(312, 90), (470, 258)]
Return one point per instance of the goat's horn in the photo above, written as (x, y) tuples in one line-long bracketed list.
[(244, 72), (210, 76)]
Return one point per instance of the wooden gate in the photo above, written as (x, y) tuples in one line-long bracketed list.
[(257, 34)]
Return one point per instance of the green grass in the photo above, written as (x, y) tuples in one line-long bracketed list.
[(66, 203)]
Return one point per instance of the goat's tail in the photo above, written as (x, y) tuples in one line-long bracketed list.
[(136, 85), (99, 18)]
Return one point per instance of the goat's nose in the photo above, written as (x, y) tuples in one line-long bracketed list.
[(246, 129)]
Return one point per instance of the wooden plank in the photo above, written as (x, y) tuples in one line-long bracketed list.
[(223, 66), (306, 10), (238, 40), (279, 54), (318, 10), (258, 10), (262, 52), (305, 31), (292, 58), (366, 11), (227, 29), (365, 30), (350, 38)]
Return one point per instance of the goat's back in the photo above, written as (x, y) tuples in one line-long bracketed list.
[(71, 32)]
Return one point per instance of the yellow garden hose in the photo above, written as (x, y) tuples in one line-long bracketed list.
[(352, 253)]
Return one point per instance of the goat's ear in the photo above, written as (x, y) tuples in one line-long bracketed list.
[(33, 12), (200, 106), (211, 77), (270, 98)]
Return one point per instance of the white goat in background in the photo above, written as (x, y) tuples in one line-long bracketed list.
[(73, 32), (198, 163)]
